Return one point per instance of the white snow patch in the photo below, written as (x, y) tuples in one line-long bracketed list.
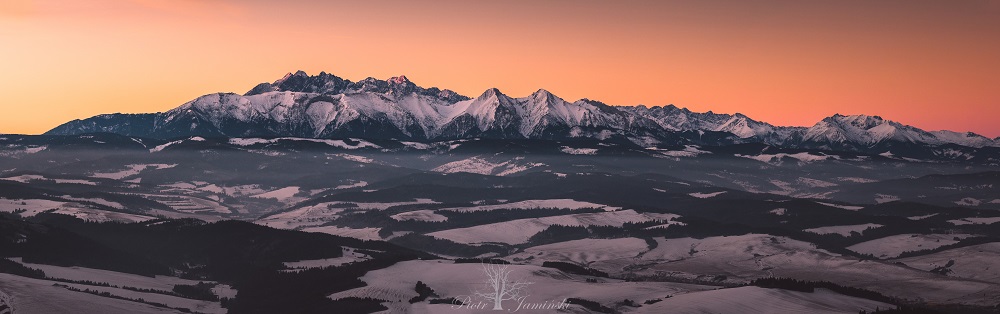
[(842, 230), (975, 220), (281, 194), (921, 217), (579, 151), (420, 215), (706, 195), (520, 230), (892, 246), (968, 201), (370, 234), (350, 255), (534, 204), (847, 207), (131, 170)]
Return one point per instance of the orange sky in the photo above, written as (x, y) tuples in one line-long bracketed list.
[(932, 64)]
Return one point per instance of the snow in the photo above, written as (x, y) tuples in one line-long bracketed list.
[(27, 178), (975, 220), (847, 207), (779, 211), (533, 204), (131, 170), (688, 151), (358, 184), (161, 147), (158, 282), (856, 180), (40, 296), (357, 233), (667, 225), (977, 262), (99, 201), (355, 158), (814, 183), (312, 215), (803, 157), (761, 300), (35, 206), (885, 198), (520, 230), (420, 215), (842, 230), (892, 246), (395, 285), (586, 251), (350, 256), (969, 201), (281, 194), (921, 217), (334, 143), (479, 165), (965, 139), (706, 195), (579, 151)]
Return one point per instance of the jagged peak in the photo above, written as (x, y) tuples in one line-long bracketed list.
[(492, 92), (398, 80)]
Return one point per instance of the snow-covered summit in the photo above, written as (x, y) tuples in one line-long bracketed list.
[(325, 105)]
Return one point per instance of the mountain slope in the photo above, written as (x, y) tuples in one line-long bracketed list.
[(327, 106)]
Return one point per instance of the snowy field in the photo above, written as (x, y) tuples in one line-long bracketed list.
[(316, 215), (115, 278), (420, 215), (33, 207), (534, 204), (351, 255), (361, 233), (842, 230), (520, 230), (396, 284), (892, 246), (33, 296), (980, 262), (762, 300), (975, 220)]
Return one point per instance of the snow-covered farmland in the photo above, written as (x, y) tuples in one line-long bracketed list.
[(533, 204), (131, 170), (892, 246), (32, 207), (842, 230), (351, 255), (40, 296), (115, 278), (706, 195), (762, 300), (395, 284), (480, 165), (420, 215), (979, 262), (360, 233), (975, 220), (520, 230)]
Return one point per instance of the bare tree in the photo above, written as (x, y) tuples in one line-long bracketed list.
[(6, 303), (499, 287)]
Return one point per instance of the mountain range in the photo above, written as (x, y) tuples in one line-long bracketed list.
[(327, 106)]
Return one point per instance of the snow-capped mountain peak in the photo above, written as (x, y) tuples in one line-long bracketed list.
[(325, 105)]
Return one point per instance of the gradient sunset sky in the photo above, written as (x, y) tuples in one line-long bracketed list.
[(932, 64)]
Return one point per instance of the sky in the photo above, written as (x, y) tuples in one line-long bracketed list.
[(931, 64)]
